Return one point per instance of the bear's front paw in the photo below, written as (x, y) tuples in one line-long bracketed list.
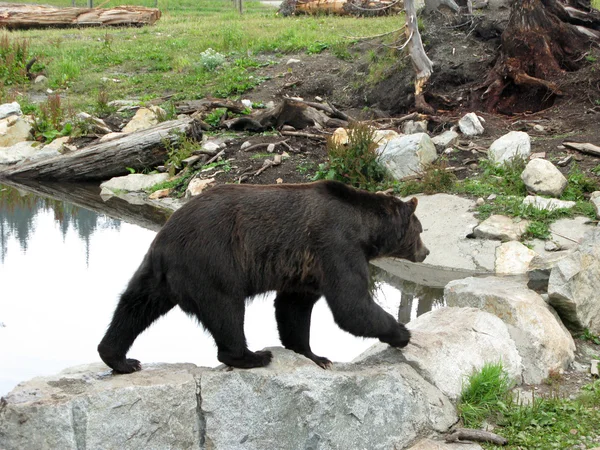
[(399, 339)]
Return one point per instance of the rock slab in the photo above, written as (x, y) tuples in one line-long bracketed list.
[(501, 228), (543, 342), (134, 182), (407, 155)]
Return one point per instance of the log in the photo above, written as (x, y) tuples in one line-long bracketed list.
[(341, 7), (469, 435), (586, 147), (138, 150), (22, 16)]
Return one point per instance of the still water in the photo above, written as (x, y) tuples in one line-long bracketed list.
[(63, 266)]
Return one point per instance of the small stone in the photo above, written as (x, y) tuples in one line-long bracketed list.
[(541, 155), (381, 137), (539, 128), (287, 128), (279, 181), (271, 148), (197, 186), (245, 145), (415, 126), (340, 136), (480, 201), (270, 104), (292, 61), (448, 151), (565, 161), (210, 146), (247, 103), (318, 99), (161, 193), (445, 140), (551, 246), (49, 91), (40, 79), (10, 109), (470, 125), (492, 197)]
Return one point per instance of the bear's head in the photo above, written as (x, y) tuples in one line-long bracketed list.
[(408, 231)]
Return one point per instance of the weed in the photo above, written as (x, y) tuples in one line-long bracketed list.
[(484, 394), (537, 230), (587, 335), (591, 59), (554, 377), (356, 163), (340, 50), (211, 60), (101, 108), (437, 179), (596, 170), (176, 153), (304, 167), (49, 120), (14, 55), (64, 72), (578, 184), (214, 117)]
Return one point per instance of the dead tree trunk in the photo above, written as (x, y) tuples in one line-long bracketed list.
[(138, 150), (543, 40), (22, 16), (341, 7)]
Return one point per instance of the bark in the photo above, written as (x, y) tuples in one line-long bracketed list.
[(21, 16), (341, 7), (543, 40), (138, 150)]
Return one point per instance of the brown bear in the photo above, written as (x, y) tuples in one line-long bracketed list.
[(303, 241)]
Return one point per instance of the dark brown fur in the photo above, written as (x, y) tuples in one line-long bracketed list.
[(236, 241)]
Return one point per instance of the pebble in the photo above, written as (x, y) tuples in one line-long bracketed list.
[(539, 128), (492, 197), (480, 201), (245, 145), (271, 148)]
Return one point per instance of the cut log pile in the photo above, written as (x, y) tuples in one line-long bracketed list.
[(21, 16)]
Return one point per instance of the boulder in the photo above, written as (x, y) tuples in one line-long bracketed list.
[(447, 139), (382, 137), (407, 155), (513, 258), (543, 342), (18, 152), (10, 109), (501, 228), (292, 403), (575, 283), (470, 125), (14, 129), (145, 118), (449, 344), (542, 177), (595, 199), (415, 126), (515, 144), (134, 182), (549, 204)]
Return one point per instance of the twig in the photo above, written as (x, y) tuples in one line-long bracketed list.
[(301, 134), (381, 8), (339, 114), (214, 158), (564, 237), (467, 434), (264, 144)]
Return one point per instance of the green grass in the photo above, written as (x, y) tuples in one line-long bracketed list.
[(596, 4), (545, 423), (165, 59)]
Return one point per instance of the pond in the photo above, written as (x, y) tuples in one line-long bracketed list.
[(66, 255)]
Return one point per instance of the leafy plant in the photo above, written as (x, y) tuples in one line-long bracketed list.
[(355, 163), (14, 55), (587, 335), (211, 59), (49, 120), (578, 184), (214, 117)]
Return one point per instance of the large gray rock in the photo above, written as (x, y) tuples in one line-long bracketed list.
[(14, 129), (542, 340), (10, 109), (415, 126), (574, 285), (470, 125), (449, 344), (513, 258), (134, 182), (516, 144), (501, 228), (407, 155), (542, 177), (291, 404)]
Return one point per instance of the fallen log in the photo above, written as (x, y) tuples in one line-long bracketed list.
[(138, 150), (22, 16), (341, 7), (586, 147)]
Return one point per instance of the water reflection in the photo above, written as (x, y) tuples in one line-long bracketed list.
[(63, 266)]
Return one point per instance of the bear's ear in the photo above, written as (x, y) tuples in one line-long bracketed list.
[(413, 202)]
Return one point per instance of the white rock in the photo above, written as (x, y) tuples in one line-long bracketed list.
[(595, 199), (40, 79), (501, 228), (10, 109), (271, 148), (197, 186), (245, 145), (574, 285), (145, 118), (247, 103), (549, 204), (543, 342), (480, 201), (470, 125), (492, 197), (134, 182), (513, 258), (447, 139), (542, 177), (415, 126), (270, 104), (292, 61), (14, 129), (211, 146), (406, 155), (510, 146), (18, 152), (449, 344), (538, 127)]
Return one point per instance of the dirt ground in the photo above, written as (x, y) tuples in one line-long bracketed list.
[(463, 53)]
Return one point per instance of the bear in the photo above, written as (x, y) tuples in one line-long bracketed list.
[(303, 241)]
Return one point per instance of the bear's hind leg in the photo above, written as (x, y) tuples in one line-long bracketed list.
[(225, 322), (293, 311), (136, 311)]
